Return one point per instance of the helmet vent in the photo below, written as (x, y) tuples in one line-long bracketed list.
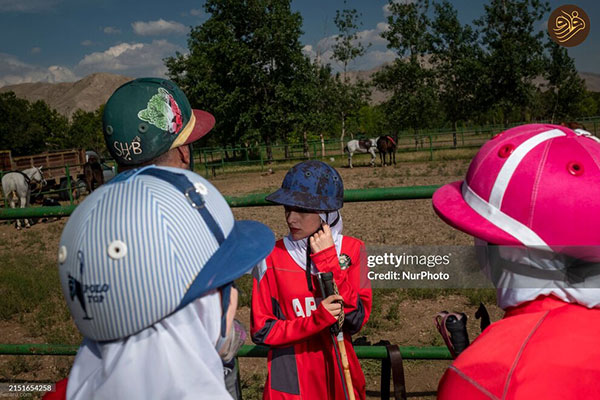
[(117, 250), (109, 130), (143, 127), (506, 150), (575, 168)]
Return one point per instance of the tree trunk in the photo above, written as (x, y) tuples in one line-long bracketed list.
[(454, 128), (322, 145), (305, 144), (343, 133), (269, 149)]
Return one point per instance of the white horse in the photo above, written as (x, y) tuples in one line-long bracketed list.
[(362, 146), (15, 186)]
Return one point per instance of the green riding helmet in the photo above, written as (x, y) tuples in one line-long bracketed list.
[(147, 117)]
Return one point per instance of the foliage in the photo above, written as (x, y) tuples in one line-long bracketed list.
[(566, 95), (346, 47), (513, 53), (414, 95), (458, 66), (31, 128), (245, 65)]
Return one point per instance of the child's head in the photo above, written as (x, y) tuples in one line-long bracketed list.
[(309, 188), (149, 243)]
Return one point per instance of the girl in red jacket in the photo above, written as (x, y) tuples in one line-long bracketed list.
[(288, 311)]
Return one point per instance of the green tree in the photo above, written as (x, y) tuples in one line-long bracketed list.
[(457, 60), (29, 128), (241, 66), (347, 48), (566, 92), (86, 131), (410, 79), (513, 53)]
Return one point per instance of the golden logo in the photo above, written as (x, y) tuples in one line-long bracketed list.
[(568, 25)]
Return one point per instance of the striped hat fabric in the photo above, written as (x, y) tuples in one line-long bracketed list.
[(536, 185), (147, 244)]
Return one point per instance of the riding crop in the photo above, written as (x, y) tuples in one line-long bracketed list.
[(328, 288)]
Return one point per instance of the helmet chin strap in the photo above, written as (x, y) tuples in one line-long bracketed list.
[(309, 250)]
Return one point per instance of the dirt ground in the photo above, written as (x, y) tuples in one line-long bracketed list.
[(405, 319)]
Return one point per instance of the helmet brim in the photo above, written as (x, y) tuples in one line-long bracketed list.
[(201, 124), (450, 206), (307, 201), (248, 243)]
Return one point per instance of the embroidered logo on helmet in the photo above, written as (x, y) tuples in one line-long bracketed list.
[(163, 112)]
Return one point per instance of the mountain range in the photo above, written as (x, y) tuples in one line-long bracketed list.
[(94, 90)]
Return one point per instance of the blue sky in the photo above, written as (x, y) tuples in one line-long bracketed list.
[(65, 40)]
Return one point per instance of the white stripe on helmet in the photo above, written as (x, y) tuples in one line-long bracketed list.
[(503, 221), (513, 161)]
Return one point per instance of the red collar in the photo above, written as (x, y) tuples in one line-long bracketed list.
[(541, 303)]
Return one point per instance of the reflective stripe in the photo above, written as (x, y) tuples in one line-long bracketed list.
[(508, 224), (513, 161)]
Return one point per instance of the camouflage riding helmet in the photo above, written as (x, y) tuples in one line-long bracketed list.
[(147, 117), (311, 185)]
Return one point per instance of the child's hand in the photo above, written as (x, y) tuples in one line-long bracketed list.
[(333, 304), (321, 240)]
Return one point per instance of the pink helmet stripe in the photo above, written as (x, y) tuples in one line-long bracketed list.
[(513, 161)]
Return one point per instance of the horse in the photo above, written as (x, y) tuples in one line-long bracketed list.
[(92, 171), (573, 125), (16, 188), (387, 145), (361, 146)]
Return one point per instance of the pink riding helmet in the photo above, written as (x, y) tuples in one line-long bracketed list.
[(532, 185)]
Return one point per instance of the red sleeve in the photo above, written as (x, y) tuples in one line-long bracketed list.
[(60, 391), (352, 284), (269, 326), (455, 386)]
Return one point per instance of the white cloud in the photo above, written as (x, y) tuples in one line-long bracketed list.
[(27, 6), (111, 30), (13, 71), (376, 52), (159, 27), (196, 12), (132, 59), (87, 43), (35, 50)]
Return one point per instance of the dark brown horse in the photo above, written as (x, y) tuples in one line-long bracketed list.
[(92, 171), (387, 145), (573, 125)]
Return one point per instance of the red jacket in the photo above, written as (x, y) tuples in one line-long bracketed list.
[(289, 318), (544, 349)]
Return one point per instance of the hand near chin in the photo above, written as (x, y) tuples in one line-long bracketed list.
[(321, 240)]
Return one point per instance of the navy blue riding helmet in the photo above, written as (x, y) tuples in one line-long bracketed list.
[(312, 186)]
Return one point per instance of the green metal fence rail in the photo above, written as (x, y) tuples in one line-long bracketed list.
[(383, 353), (253, 200), (363, 352)]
